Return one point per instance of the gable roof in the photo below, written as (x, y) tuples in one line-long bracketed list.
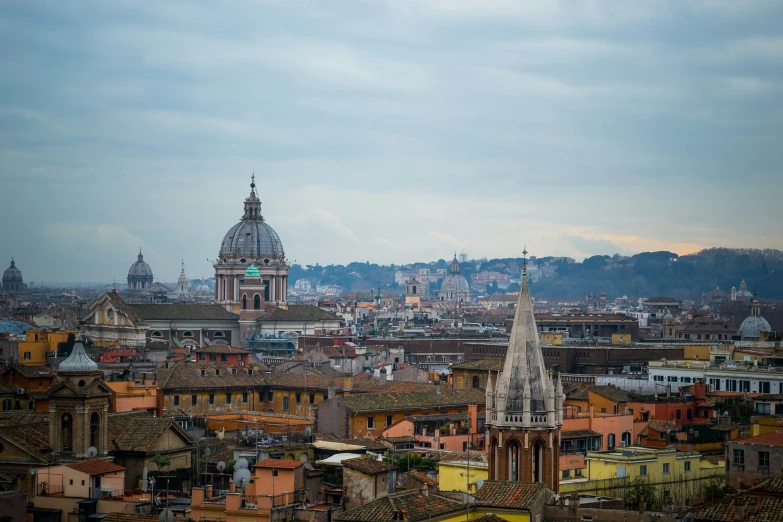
[(30, 372), (612, 393), (508, 494), (32, 438), (416, 505), (774, 439), (139, 433), (412, 400), (178, 312), (95, 467), (368, 465)]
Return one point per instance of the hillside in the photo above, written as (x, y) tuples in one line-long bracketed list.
[(645, 274)]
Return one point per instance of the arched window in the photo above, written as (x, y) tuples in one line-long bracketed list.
[(187, 333), (244, 301), (513, 461), (218, 334), (66, 424), (413, 290), (95, 423), (475, 381), (157, 333), (256, 302), (538, 461)]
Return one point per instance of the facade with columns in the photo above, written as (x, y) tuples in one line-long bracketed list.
[(525, 408), (251, 242)]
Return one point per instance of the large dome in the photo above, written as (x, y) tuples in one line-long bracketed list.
[(12, 273), (252, 237), (140, 268)]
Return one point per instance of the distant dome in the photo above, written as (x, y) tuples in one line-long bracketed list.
[(140, 268), (454, 286), (12, 273), (78, 361), (252, 236), (252, 271), (752, 327), (754, 324)]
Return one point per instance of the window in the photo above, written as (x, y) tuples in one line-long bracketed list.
[(250, 371), (7, 405), (666, 469), (643, 470), (70, 482), (224, 357), (285, 403), (764, 462), (715, 384), (611, 440), (678, 414), (687, 467), (739, 460), (389, 420), (764, 387), (672, 378), (744, 386), (731, 385), (274, 472), (228, 398), (256, 302), (763, 408), (176, 400), (233, 371), (193, 400), (298, 398), (202, 357), (156, 333), (27, 356), (218, 334), (203, 372), (187, 333), (82, 483), (312, 398), (370, 422), (244, 396), (566, 473), (465, 446), (212, 398), (40, 384), (270, 396), (658, 378), (442, 446), (217, 371)]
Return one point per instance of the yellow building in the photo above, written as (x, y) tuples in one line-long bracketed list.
[(555, 338), (620, 338), (454, 475), (41, 344), (678, 476), (764, 425), (696, 352)]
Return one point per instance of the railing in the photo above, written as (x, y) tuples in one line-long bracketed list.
[(49, 490)]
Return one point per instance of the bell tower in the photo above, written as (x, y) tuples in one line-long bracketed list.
[(78, 407), (525, 410)]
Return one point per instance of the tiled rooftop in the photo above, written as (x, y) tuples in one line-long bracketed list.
[(368, 465), (508, 494), (768, 439), (412, 400), (416, 505), (95, 467)]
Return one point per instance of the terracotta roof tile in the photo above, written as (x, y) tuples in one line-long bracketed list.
[(279, 464), (137, 432), (412, 400), (95, 467), (368, 465), (416, 505), (424, 479), (508, 494), (768, 439)]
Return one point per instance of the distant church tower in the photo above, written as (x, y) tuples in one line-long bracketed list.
[(183, 284), (525, 412)]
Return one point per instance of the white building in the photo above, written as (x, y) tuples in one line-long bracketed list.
[(733, 377)]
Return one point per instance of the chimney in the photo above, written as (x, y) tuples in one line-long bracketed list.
[(424, 491), (231, 486), (573, 503), (437, 386), (739, 510), (330, 393), (209, 492), (384, 375), (348, 385)]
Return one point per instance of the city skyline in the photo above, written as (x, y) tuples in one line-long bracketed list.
[(390, 132)]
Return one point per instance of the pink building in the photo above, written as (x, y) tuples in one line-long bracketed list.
[(448, 431)]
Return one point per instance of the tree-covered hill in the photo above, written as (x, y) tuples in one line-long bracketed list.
[(646, 274)]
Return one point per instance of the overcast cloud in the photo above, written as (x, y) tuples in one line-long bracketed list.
[(385, 131)]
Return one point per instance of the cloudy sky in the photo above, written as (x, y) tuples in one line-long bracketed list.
[(388, 131)]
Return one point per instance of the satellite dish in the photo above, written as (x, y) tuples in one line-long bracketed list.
[(242, 464), (92, 451), (241, 477), (221, 466), (308, 431), (166, 515)]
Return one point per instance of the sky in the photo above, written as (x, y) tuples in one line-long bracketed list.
[(385, 131)]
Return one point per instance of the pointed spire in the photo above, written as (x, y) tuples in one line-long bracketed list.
[(489, 394)]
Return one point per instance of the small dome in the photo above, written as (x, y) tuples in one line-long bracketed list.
[(252, 271), (752, 327), (78, 361), (140, 268), (454, 285), (12, 273)]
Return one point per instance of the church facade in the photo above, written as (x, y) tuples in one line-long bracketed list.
[(525, 407)]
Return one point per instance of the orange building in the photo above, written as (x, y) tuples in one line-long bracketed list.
[(276, 489), (34, 380), (130, 396)]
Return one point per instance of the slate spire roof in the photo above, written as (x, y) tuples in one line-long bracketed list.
[(525, 393)]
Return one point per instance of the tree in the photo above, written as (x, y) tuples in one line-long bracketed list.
[(640, 491), (161, 461)]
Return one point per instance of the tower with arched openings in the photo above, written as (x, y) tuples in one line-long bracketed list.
[(525, 408), (78, 407)]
